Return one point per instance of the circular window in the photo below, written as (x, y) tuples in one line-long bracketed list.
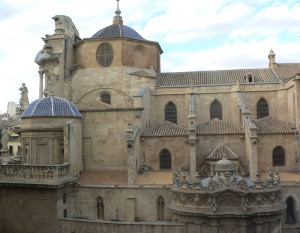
[(105, 54)]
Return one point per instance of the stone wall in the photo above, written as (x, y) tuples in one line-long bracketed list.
[(76, 226), (104, 139), (178, 147), (28, 210), (115, 199), (266, 145)]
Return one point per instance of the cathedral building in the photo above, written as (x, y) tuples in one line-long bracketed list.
[(115, 145)]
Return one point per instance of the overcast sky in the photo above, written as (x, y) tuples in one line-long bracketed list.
[(194, 34)]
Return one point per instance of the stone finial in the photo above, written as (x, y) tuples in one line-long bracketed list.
[(118, 18)]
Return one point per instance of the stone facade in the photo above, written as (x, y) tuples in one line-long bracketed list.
[(115, 145)]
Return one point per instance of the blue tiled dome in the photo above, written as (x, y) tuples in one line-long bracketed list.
[(51, 106), (117, 31)]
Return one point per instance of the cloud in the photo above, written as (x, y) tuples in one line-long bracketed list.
[(231, 56), (195, 35)]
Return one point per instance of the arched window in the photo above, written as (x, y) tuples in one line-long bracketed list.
[(171, 112), (278, 156), (262, 108), (160, 206), (105, 97), (216, 110), (290, 211), (165, 159), (100, 208)]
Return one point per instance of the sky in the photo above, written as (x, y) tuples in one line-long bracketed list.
[(194, 35)]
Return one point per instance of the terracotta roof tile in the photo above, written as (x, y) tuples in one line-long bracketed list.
[(216, 126), (220, 151), (165, 129), (93, 105), (216, 77), (145, 73), (287, 71), (271, 125)]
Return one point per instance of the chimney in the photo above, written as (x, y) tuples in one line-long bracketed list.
[(272, 62)]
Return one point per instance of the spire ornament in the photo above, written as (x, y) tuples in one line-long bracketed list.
[(118, 18)]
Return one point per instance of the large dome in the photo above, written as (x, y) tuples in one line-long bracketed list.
[(118, 31), (51, 106)]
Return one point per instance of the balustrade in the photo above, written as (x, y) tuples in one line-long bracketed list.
[(33, 173)]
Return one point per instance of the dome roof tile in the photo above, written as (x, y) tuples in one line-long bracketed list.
[(51, 106), (118, 31)]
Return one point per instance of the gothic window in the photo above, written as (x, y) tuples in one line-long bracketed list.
[(171, 113), (105, 54), (290, 211), (105, 97), (216, 110), (65, 213), (160, 205), (165, 159), (64, 198), (278, 156), (100, 208), (262, 108)]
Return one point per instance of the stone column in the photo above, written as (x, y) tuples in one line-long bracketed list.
[(130, 155), (46, 83), (214, 227), (258, 227), (243, 227), (41, 84), (251, 144), (192, 139), (297, 100)]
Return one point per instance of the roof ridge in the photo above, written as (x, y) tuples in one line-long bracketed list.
[(273, 125), (215, 154)]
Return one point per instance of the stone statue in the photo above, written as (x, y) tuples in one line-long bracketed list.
[(243, 206), (24, 101), (214, 206), (50, 85), (4, 138)]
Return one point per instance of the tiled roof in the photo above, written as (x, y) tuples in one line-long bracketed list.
[(165, 129), (216, 77), (93, 105), (220, 151), (51, 106), (287, 71), (145, 73), (271, 125), (118, 31), (216, 126)]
